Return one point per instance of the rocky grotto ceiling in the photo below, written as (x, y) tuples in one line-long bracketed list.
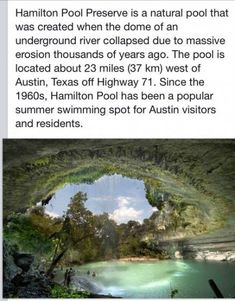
[(192, 182)]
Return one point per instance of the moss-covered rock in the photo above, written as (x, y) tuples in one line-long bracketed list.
[(196, 176)]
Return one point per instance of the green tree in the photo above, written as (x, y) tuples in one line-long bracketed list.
[(79, 224), (107, 239), (29, 238)]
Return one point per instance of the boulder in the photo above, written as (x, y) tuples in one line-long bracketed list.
[(86, 284), (10, 269), (231, 256), (217, 256), (200, 256), (178, 255), (34, 285), (23, 260), (20, 280)]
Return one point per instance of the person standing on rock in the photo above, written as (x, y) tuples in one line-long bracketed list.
[(69, 276), (66, 277)]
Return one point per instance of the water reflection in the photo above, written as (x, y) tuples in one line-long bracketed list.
[(157, 279)]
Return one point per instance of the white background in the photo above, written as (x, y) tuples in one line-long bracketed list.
[(218, 75)]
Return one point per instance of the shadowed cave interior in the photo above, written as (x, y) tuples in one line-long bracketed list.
[(122, 208)]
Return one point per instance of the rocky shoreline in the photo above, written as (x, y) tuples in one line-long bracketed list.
[(22, 280), (138, 259), (214, 248), (216, 256)]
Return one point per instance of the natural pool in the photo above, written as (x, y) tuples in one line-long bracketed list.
[(156, 279), (124, 199)]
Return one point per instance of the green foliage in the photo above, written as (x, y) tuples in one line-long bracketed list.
[(153, 194), (41, 161), (195, 170), (174, 292), (44, 166), (130, 239), (21, 231), (62, 292), (107, 238), (79, 224)]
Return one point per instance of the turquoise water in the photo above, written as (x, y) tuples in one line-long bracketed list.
[(156, 279)]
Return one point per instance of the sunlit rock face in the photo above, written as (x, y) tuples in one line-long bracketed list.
[(211, 246), (191, 182), (178, 255), (217, 256)]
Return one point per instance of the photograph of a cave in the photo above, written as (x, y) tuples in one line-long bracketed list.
[(118, 218)]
